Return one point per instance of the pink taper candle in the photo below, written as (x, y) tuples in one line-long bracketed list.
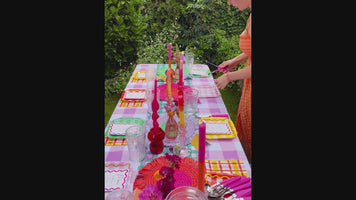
[(181, 71), (181, 95), (201, 157), (169, 84), (169, 51), (201, 154), (169, 72)]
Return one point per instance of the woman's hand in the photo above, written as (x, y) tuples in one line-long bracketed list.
[(228, 65), (222, 81), (232, 63)]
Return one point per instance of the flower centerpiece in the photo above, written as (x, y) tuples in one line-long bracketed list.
[(166, 183), (151, 192)]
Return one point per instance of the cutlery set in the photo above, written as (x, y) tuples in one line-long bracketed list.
[(237, 188)]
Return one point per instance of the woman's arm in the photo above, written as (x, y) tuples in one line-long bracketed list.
[(223, 80), (232, 63)]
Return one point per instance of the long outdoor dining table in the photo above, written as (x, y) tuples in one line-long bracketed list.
[(218, 149)]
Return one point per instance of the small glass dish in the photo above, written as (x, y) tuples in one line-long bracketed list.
[(120, 194)]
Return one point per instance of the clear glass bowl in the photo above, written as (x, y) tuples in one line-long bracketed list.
[(186, 192)]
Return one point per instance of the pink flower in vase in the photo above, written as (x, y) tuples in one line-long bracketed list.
[(166, 185), (166, 171), (150, 192), (175, 159)]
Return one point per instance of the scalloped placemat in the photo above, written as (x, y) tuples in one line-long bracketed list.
[(186, 175)]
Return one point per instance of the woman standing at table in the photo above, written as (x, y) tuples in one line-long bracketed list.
[(243, 119)]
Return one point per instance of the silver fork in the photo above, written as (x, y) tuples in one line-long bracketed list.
[(221, 188)]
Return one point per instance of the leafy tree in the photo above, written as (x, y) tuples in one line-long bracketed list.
[(164, 14), (138, 31), (203, 17), (123, 31), (215, 47)]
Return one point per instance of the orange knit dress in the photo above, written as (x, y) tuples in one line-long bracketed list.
[(243, 119)]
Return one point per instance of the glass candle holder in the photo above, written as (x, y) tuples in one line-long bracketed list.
[(191, 101), (135, 137), (171, 129), (189, 59)]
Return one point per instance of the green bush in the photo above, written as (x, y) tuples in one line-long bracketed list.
[(203, 17), (215, 47), (117, 84), (124, 28), (163, 14), (156, 49)]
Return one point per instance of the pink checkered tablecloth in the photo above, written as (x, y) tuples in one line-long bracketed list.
[(218, 149)]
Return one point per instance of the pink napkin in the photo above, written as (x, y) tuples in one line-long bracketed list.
[(220, 115)]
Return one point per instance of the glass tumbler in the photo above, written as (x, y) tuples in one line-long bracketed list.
[(189, 59), (190, 101), (150, 77), (135, 137)]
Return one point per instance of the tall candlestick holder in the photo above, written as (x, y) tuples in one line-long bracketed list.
[(169, 71), (184, 151), (156, 134), (171, 124)]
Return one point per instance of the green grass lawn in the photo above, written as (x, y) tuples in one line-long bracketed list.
[(231, 98), (110, 104)]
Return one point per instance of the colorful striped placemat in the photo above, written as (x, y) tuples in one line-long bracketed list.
[(226, 166)]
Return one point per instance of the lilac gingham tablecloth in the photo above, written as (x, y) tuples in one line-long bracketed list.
[(219, 149)]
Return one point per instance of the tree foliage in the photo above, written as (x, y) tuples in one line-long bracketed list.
[(139, 31), (123, 29), (203, 17)]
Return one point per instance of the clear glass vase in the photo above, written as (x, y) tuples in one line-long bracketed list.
[(171, 127)]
